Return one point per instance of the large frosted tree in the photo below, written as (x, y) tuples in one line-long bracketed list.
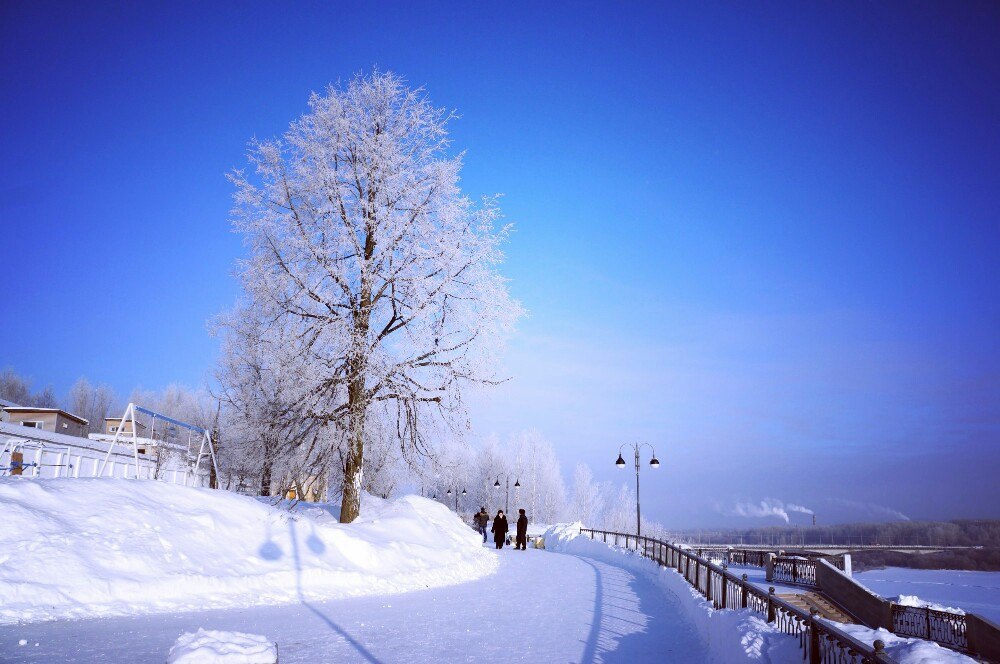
[(380, 272)]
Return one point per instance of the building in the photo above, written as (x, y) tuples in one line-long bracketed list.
[(53, 420), (111, 425)]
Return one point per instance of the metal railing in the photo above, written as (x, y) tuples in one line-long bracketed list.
[(797, 571), (945, 627), (821, 642), (758, 557)]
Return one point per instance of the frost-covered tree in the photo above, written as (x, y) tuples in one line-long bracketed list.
[(17, 390), (619, 512), (363, 247), (92, 403), (585, 503), (543, 492)]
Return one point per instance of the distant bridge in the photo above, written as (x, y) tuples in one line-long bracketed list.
[(835, 549)]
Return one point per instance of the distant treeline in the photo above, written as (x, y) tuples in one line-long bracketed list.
[(965, 532)]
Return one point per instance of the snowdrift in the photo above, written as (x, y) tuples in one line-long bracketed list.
[(72, 548)]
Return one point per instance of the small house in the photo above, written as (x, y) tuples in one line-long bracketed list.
[(53, 420), (112, 424)]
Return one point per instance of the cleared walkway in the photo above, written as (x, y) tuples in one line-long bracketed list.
[(540, 607)]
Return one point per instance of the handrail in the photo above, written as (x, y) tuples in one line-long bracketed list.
[(819, 640)]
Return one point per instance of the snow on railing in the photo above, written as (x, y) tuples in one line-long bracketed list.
[(820, 641)]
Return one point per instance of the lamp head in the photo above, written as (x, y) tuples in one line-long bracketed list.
[(621, 462), (654, 462), (517, 484), (496, 485), (464, 492), (448, 492)]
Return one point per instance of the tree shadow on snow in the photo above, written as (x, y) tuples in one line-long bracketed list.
[(270, 550), (317, 546)]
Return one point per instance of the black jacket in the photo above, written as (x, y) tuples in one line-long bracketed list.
[(522, 526), (499, 528)]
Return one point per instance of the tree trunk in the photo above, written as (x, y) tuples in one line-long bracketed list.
[(350, 506), (265, 476), (357, 402)]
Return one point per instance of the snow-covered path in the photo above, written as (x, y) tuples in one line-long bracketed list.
[(540, 607)]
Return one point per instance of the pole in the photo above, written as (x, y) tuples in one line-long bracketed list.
[(507, 504), (638, 520)]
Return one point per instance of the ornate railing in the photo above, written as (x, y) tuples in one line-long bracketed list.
[(748, 557), (758, 557), (820, 641), (798, 571), (945, 627)]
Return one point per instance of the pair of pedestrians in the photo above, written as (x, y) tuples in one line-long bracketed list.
[(500, 528)]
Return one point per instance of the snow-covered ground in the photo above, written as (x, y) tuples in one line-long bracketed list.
[(734, 636), (75, 548), (973, 592), (147, 566), (541, 606)]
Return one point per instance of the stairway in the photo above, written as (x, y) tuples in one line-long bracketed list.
[(808, 601)]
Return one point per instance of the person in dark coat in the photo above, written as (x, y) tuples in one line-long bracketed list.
[(500, 529), (522, 532), (481, 519)]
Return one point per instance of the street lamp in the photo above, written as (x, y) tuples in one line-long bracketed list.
[(464, 493), (653, 463), (517, 485)]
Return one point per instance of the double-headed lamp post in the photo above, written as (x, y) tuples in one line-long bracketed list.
[(517, 485), (464, 492), (653, 463)]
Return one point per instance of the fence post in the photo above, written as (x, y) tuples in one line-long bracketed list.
[(880, 655), (814, 654), (927, 618), (743, 602), (708, 583), (770, 604), (724, 584)]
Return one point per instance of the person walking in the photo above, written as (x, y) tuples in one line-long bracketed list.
[(481, 519), (522, 532), (500, 529)]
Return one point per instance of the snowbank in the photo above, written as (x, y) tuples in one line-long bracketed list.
[(738, 636), (213, 647), (100, 547), (913, 600)]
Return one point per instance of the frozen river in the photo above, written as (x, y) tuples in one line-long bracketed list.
[(975, 592)]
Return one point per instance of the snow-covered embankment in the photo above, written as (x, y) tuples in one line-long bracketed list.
[(73, 548)]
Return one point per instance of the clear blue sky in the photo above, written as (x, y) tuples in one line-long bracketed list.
[(764, 238)]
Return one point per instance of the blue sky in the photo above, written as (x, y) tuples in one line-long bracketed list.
[(762, 238)]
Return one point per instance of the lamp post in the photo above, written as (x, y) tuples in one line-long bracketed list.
[(654, 463), (517, 485), (464, 492)]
